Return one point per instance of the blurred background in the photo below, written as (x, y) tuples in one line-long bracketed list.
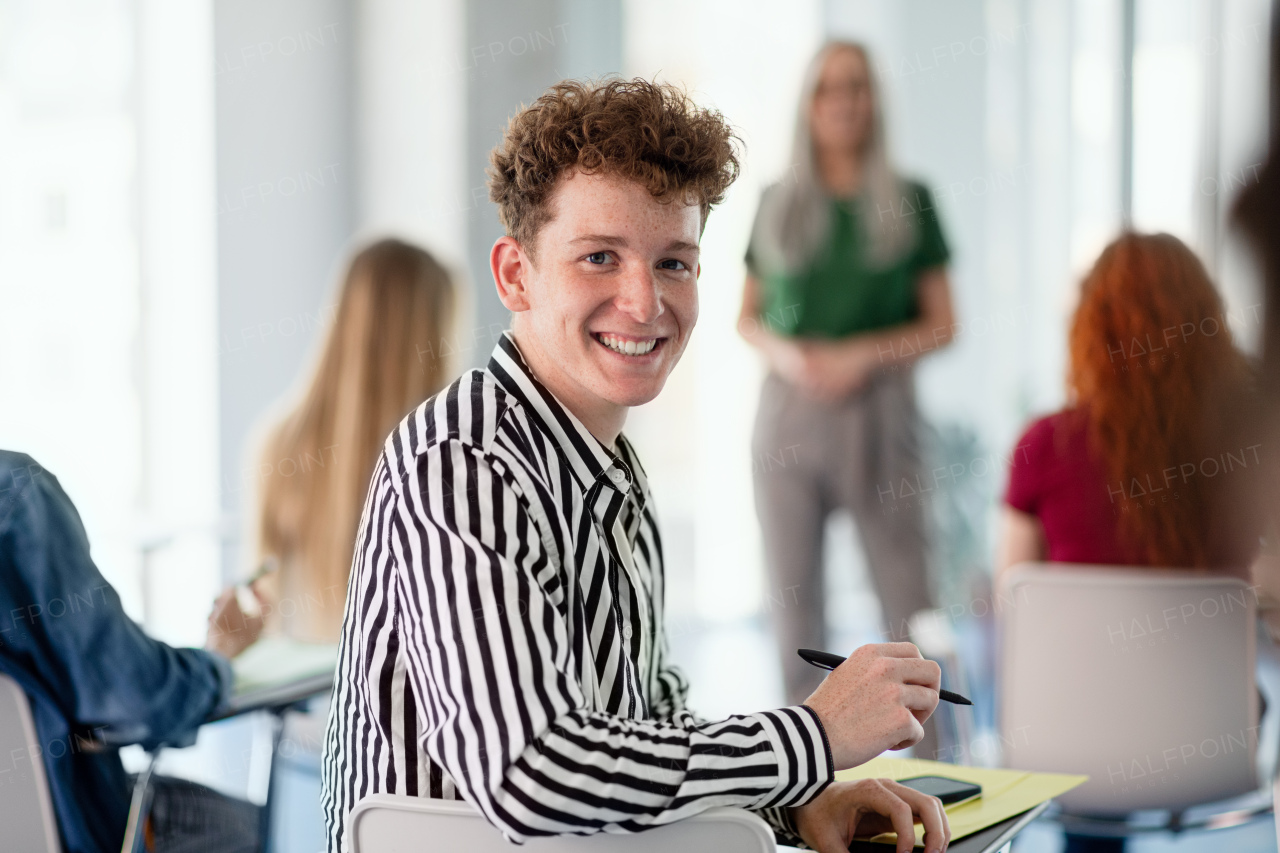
[(181, 182)]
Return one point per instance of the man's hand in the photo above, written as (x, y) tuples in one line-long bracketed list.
[(869, 807), (876, 700), (231, 630)]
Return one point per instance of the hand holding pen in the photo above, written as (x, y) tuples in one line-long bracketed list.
[(876, 700), (826, 660)]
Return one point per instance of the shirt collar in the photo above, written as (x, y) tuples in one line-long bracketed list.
[(590, 460)]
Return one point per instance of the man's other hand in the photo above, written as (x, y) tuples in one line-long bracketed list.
[(876, 700), (869, 807)]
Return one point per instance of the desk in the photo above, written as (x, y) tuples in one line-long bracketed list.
[(278, 675), (275, 675), (276, 698), (993, 839)]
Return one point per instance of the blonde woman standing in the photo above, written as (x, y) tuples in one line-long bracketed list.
[(381, 358), (847, 286)]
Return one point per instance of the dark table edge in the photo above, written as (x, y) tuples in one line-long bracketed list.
[(275, 697)]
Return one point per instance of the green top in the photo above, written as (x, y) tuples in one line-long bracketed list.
[(840, 294)]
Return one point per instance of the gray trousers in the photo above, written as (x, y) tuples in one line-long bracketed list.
[(811, 458)]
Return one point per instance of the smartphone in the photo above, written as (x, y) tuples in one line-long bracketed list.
[(951, 791)]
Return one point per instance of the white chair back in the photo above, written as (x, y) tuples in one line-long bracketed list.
[(1144, 680), (26, 812), (385, 823)]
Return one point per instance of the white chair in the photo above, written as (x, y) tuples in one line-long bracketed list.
[(26, 812), (386, 823), (1144, 680)]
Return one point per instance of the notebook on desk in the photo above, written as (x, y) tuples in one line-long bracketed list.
[(278, 670), (1006, 795)]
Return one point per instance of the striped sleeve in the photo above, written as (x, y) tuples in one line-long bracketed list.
[(779, 817), (671, 691), (487, 639), (670, 703)]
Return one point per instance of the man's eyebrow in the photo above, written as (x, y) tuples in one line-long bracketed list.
[(607, 239), (617, 240)]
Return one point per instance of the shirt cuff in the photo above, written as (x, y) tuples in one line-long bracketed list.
[(226, 682), (783, 826), (802, 753), (826, 744)]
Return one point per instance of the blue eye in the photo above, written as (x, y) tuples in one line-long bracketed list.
[(679, 265), (598, 258)]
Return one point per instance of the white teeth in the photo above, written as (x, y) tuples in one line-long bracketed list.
[(627, 347)]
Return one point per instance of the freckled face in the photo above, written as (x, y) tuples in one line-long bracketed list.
[(612, 289)]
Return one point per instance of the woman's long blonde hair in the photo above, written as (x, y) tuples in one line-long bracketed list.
[(382, 356), (795, 215)]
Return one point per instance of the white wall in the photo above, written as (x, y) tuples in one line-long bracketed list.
[(286, 167), (410, 121), (179, 528), (69, 291)]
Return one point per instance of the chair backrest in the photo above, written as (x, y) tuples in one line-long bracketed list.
[(26, 812), (386, 823), (1144, 680)]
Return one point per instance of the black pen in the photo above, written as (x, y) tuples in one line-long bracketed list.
[(826, 660)]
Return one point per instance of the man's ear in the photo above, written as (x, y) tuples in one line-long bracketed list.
[(511, 269)]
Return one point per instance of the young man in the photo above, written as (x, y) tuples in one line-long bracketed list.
[(503, 640)]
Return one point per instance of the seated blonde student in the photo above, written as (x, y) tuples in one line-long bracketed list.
[(1141, 468), (384, 353), (503, 640)]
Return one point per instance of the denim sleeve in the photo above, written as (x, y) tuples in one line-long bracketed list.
[(63, 623)]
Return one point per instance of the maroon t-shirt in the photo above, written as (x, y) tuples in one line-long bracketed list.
[(1054, 476)]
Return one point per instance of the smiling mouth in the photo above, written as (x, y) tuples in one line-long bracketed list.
[(626, 347)]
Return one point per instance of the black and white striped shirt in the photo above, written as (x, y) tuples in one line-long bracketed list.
[(503, 638)]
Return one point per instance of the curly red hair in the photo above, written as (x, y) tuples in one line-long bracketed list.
[(650, 133), (1155, 373)]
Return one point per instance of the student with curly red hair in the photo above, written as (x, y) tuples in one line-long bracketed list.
[(1139, 469)]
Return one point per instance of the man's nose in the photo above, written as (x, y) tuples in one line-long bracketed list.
[(639, 296)]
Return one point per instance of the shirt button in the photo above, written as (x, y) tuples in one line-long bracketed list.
[(618, 476), (626, 631)]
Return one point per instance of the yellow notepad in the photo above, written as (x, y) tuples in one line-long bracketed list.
[(1005, 793)]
